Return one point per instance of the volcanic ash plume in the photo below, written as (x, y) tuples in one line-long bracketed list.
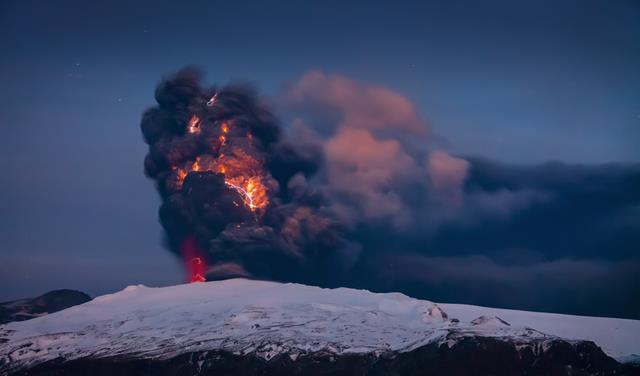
[(234, 202)]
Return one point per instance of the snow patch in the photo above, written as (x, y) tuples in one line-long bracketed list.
[(268, 319)]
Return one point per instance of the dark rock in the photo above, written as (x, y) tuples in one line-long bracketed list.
[(53, 301), (469, 356)]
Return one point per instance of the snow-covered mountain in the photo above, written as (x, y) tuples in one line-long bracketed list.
[(256, 324)]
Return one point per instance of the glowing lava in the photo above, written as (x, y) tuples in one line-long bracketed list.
[(194, 124), (198, 270), (242, 172), (247, 194), (194, 260)]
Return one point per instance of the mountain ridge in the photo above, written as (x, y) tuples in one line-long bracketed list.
[(52, 301), (275, 328)]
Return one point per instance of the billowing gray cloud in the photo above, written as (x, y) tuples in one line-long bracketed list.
[(353, 201), (553, 236), (581, 286)]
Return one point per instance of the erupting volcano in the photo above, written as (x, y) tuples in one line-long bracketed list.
[(194, 261), (241, 171), (223, 171)]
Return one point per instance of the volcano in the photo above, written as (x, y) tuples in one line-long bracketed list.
[(253, 327)]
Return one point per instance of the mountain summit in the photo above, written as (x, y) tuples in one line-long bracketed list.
[(268, 328)]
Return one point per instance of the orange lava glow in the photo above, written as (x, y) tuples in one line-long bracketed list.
[(197, 276), (242, 172), (195, 263), (194, 124)]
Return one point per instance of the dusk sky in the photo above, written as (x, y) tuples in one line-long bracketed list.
[(506, 85)]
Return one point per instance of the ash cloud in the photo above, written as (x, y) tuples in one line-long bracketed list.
[(213, 153), (588, 286), (373, 171), (361, 195)]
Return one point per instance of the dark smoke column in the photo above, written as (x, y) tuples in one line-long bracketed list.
[(223, 171)]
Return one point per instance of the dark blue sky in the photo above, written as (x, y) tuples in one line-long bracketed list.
[(517, 82)]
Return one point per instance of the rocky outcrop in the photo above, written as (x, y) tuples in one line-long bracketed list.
[(469, 356), (53, 301)]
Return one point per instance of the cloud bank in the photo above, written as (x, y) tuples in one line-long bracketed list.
[(361, 197), (555, 236)]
